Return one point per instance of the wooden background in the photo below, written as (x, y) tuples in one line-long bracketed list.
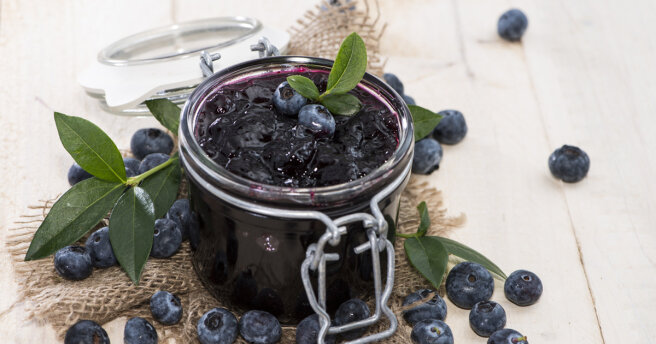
[(585, 74)]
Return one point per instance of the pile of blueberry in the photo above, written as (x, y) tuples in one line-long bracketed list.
[(470, 286)]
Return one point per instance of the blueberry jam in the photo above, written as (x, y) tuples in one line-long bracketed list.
[(240, 129)]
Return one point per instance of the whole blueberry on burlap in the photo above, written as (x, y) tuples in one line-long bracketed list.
[(451, 129), (100, 248), (351, 311), (307, 331), (217, 326), (166, 239), (151, 161), (428, 155), (433, 308), (131, 167), (150, 140), (507, 336), (165, 307), (523, 288), (512, 25), (73, 263), (569, 164), (469, 283), (76, 174), (259, 327), (139, 331), (431, 331), (180, 213), (487, 317), (86, 332)]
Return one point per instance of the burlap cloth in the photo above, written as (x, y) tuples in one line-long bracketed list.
[(109, 294)]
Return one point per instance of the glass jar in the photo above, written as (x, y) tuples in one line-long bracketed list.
[(249, 250)]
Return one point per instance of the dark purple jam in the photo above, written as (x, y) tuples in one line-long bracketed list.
[(240, 129)]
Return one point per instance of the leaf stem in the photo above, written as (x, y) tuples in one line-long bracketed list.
[(407, 235), (134, 181)]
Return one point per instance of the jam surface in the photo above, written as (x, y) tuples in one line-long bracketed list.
[(240, 129)]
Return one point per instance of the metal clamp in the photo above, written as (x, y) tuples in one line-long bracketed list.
[(265, 48)]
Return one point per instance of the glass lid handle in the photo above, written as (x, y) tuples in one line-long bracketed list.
[(263, 47)]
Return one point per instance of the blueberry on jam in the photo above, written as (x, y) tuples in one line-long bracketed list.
[(240, 128)]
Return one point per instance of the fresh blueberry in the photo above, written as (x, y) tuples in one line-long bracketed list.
[(73, 263), (166, 307), (428, 155), (351, 311), (469, 283), (259, 327), (100, 249), (86, 332), (409, 100), (317, 119), (394, 82), (287, 101), (431, 331), (139, 331), (487, 317), (512, 25), (569, 164), (166, 239), (76, 174), (523, 288), (452, 127), (151, 161), (337, 3), (150, 140), (217, 326), (180, 213), (507, 336), (131, 167), (435, 308), (308, 330)]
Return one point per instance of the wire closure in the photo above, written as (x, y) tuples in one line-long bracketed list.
[(265, 48), (206, 63)]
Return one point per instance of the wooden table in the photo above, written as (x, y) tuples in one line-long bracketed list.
[(584, 75)]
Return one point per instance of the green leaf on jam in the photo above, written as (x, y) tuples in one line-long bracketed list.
[(166, 112), (304, 86), (423, 120), (424, 222), (429, 257), (469, 254), (131, 228), (162, 187), (91, 148), (342, 104), (73, 215), (349, 67)]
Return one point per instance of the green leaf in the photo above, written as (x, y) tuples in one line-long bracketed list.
[(162, 187), (342, 104), (424, 222), (304, 86), (349, 67), (423, 120), (131, 228), (457, 249), (429, 257), (90, 147), (73, 215), (166, 112)]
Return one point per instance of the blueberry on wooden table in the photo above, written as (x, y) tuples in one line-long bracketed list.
[(131, 166), (86, 332), (428, 155), (166, 239), (76, 174), (100, 249), (452, 127), (217, 326), (431, 331), (512, 25), (351, 311), (394, 82), (139, 331), (434, 308), (287, 101), (151, 161), (469, 283), (180, 213), (487, 317), (165, 307), (307, 331), (150, 140), (569, 164), (523, 288), (73, 263), (259, 327), (507, 336), (317, 119)]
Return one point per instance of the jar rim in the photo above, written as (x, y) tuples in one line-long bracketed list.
[(194, 156)]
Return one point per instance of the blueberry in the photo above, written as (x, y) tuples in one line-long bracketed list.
[(180, 213), (469, 283), (166, 239), (308, 330), (394, 82), (487, 317), (217, 326), (351, 311), (76, 174), (523, 288), (73, 263), (409, 100), (512, 25), (86, 332), (100, 249), (287, 101), (428, 155), (452, 127), (431, 331), (507, 336), (131, 167), (337, 3), (435, 308), (139, 331), (569, 164), (151, 161), (317, 119), (150, 140), (259, 327), (166, 307)]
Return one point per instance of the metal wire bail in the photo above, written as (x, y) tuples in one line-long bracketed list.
[(265, 48), (206, 63)]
